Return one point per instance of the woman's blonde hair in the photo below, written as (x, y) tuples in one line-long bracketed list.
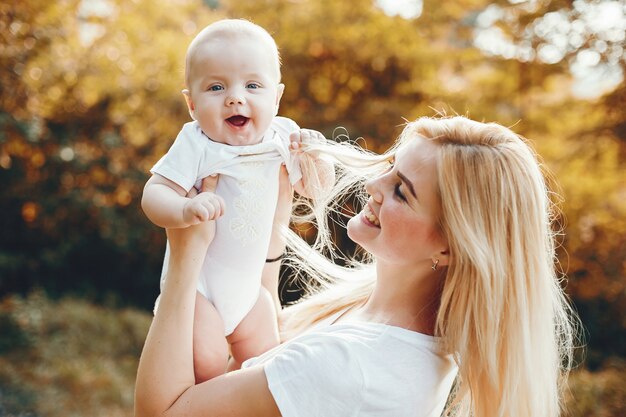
[(503, 312)]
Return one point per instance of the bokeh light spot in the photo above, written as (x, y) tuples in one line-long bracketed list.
[(30, 211), (35, 73), (67, 154)]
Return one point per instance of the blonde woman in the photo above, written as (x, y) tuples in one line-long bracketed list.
[(460, 283)]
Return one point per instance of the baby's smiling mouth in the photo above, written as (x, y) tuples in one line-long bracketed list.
[(238, 121)]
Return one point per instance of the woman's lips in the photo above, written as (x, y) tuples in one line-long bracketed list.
[(369, 216)]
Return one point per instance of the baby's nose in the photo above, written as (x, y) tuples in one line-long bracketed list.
[(235, 98)]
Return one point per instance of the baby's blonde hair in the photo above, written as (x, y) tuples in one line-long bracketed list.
[(503, 313), (231, 29)]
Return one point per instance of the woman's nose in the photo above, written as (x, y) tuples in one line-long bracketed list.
[(372, 187)]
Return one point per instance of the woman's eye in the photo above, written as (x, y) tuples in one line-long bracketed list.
[(398, 193), (216, 88), (396, 189)]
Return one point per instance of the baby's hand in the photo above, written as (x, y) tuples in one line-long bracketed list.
[(204, 206), (318, 175), (304, 137)]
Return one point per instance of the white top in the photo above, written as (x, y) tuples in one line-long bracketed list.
[(359, 369), (231, 274)]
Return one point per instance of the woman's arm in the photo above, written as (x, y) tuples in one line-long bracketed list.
[(165, 377), (271, 270)]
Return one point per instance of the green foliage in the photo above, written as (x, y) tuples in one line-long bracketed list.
[(13, 338), (85, 110), (348, 64), (80, 359), (587, 160)]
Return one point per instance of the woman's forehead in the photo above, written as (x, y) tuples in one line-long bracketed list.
[(418, 151)]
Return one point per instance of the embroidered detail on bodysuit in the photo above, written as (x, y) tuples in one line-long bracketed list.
[(246, 226)]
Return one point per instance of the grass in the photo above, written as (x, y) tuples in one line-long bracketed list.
[(68, 358), (71, 358), (598, 394)]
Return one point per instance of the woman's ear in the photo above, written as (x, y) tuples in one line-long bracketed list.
[(189, 102), (441, 258)]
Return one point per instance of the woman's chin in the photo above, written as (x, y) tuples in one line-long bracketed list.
[(353, 229), (350, 226)]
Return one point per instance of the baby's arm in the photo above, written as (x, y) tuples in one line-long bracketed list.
[(318, 175), (166, 205)]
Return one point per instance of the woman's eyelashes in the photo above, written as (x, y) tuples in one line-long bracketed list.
[(398, 192), (396, 189)]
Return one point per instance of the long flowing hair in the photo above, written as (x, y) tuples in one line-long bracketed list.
[(503, 313)]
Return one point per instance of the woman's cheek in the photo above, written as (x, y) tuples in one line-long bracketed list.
[(410, 239)]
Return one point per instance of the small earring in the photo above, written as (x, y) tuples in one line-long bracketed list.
[(434, 265)]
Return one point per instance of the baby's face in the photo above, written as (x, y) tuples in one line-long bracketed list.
[(234, 89)]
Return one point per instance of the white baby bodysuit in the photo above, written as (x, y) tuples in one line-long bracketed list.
[(248, 183)]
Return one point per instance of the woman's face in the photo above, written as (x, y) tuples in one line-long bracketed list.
[(398, 225)]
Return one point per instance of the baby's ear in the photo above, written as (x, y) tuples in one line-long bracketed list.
[(189, 102), (280, 89)]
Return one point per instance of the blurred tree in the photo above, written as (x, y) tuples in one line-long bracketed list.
[(583, 141), (90, 94), (349, 64), (90, 98), (587, 159)]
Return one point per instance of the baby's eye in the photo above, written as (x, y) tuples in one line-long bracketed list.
[(253, 86), (215, 88)]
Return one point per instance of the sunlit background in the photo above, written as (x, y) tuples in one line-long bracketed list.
[(90, 98)]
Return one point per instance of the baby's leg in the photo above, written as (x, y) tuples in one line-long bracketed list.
[(210, 349), (257, 332)]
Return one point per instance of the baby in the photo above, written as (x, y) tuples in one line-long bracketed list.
[(233, 89)]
